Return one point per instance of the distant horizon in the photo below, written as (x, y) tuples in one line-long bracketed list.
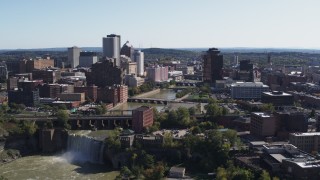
[(178, 48), (273, 24)]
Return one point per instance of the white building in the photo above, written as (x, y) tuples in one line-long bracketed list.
[(3, 71), (138, 57), (87, 59), (73, 56), (111, 47), (248, 90), (308, 142), (133, 81)]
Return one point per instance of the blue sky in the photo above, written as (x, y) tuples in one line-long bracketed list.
[(161, 23)]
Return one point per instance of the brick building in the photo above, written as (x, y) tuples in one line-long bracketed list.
[(212, 65), (122, 93), (263, 124), (90, 92), (108, 95), (277, 98), (142, 117), (72, 97), (54, 90), (28, 98), (48, 76), (113, 94), (105, 73), (27, 66)]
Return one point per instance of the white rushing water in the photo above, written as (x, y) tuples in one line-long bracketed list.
[(82, 148)]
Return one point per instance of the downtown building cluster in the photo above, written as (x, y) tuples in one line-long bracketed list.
[(284, 138), (85, 77)]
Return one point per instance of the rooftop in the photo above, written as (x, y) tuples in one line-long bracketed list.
[(306, 134), (276, 93), (262, 114), (248, 84)]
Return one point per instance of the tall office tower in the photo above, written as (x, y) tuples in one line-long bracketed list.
[(111, 47), (73, 56), (138, 57), (212, 66), (127, 50), (236, 60), (87, 59), (246, 72)]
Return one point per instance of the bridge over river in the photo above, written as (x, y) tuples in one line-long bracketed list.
[(121, 118), (152, 100)]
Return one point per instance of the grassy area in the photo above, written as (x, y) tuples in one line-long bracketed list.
[(99, 133), (197, 97)]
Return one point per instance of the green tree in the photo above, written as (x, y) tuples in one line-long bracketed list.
[(172, 82), (267, 107), (63, 117), (101, 109), (213, 110), (3, 178), (196, 130), (222, 174), (125, 172), (29, 127), (62, 107), (183, 117), (192, 111), (312, 113), (231, 135), (113, 141), (155, 173), (264, 175), (168, 140)]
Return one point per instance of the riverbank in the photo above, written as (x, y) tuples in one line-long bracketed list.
[(183, 97), (149, 93), (9, 155)]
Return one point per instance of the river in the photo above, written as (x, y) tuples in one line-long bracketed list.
[(167, 94), (53, 167), (163, 94)]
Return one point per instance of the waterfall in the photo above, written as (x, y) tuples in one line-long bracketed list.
[(82, 148)]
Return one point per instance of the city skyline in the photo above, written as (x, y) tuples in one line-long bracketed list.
[(165, 24)]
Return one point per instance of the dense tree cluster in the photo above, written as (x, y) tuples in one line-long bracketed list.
[(148, 86), (183, 92)]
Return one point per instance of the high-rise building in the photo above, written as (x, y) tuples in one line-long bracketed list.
[(111, 47), (3, 71), (138, 57), (87, 59), (157, 73), (73, 56), (127, 50), (235, 60), (212, 66)]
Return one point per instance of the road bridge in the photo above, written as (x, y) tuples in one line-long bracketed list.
[(151, 100), (110, 120)]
